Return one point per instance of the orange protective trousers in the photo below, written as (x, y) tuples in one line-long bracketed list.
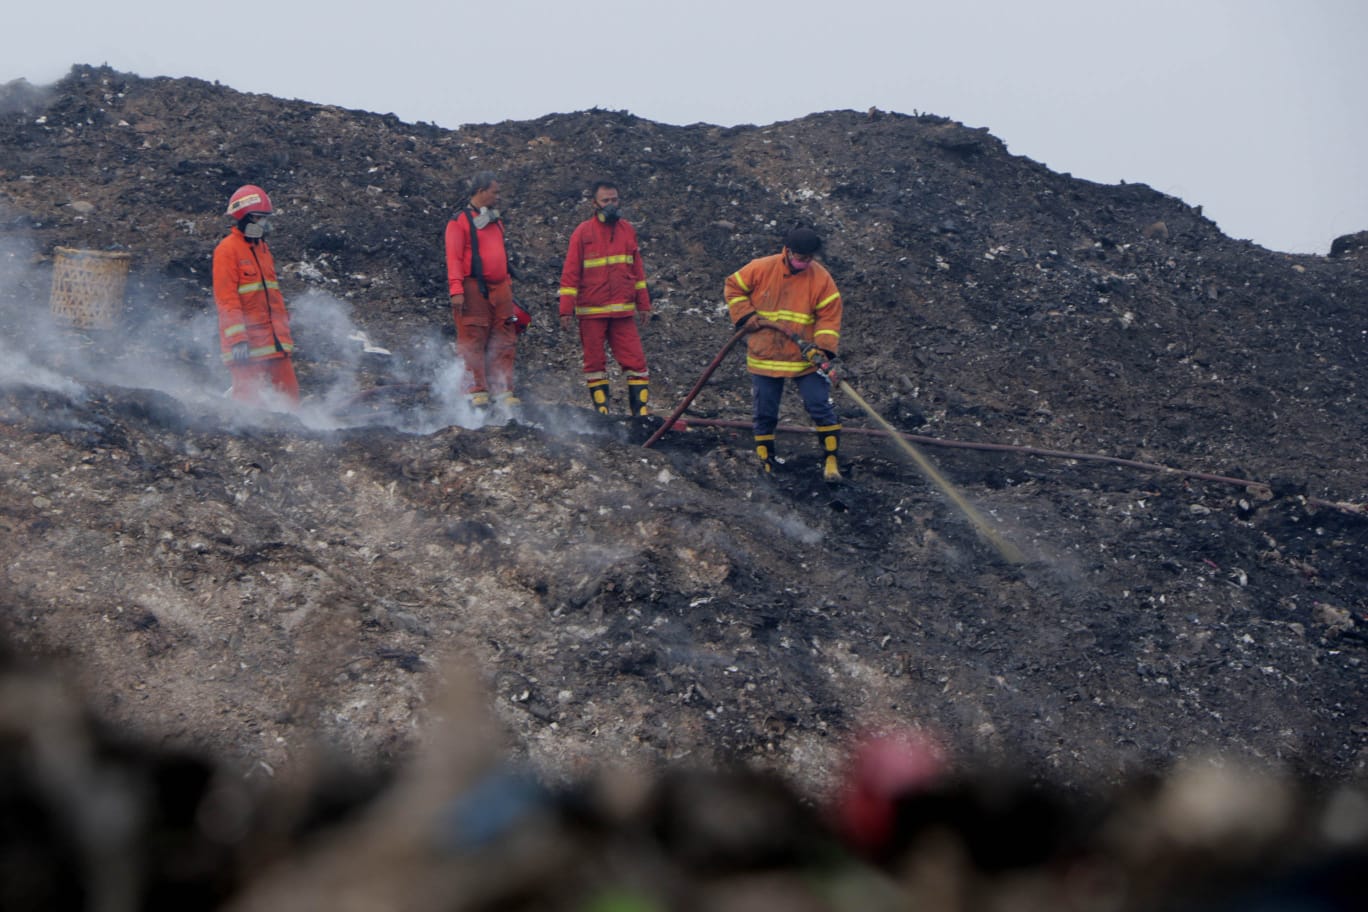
[(485, 339), (265, 382)]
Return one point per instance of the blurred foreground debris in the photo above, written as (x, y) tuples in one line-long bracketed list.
[(98, 821)]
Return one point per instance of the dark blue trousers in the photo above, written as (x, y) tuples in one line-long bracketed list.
[(768, 391)]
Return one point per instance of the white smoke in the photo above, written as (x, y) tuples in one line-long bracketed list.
[(322, 326), (154, 345), (427, 367), (162, 341), (17, 370), (25, 328), (146, 348)]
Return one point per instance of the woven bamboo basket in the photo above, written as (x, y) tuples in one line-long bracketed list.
[(88, 287)]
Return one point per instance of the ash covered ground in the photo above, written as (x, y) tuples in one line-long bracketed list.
[(258, 589)]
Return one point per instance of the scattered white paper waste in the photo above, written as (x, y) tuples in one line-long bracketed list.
[(367, 346)]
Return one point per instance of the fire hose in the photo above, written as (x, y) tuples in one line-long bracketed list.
[(1020, 449), (818, 358), (1354, 509), (684, 403), (813, 354), (905, 441)]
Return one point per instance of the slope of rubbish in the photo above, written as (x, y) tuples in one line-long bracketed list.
[(255, 585)]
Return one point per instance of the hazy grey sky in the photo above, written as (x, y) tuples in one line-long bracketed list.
[(1255, 109)]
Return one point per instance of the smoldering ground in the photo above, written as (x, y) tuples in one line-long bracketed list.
[(152, 347)]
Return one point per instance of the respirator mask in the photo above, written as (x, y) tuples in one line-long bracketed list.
[(485, 216), (610, 214), (256, 228)]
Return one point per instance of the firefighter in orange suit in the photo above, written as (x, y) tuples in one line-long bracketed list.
[(776, 297), (603, 285), (254, 329), (481, 290)]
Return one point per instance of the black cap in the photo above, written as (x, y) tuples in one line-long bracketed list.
[(803, 241)]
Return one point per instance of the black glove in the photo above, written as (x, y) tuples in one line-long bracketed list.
[(241, 352)]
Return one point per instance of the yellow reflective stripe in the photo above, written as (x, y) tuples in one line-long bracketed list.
[(789, 316), (574, 292), (738, 300), (235, 329), (736, 277), (249, 288), (828, 332), (614, 260), (640, 285), (788, 367), (585, 310), (826, 301)]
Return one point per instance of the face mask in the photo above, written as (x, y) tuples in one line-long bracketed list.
[(798, 267), (257, 228), (485, 216), (610, 213)]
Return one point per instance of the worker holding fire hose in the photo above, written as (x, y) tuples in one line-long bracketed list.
[(782, 300)]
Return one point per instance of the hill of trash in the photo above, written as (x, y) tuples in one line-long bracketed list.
[(1165, 423)]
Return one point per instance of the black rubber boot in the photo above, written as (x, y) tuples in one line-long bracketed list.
[(598, 394), (638, 392)]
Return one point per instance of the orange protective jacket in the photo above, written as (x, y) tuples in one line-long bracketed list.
[(493, 253), (250, 306), (603, 274), (805, 303)]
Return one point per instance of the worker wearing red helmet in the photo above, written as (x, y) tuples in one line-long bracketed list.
[(254, 328), (775, 299)]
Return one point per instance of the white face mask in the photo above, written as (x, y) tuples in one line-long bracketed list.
[(485, 216), (257, 228)]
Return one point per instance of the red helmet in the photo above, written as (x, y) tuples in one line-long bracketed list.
[(248, 198)]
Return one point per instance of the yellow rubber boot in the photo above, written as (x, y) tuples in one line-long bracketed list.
[(598, 393), (829, 438), (638, 392)]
